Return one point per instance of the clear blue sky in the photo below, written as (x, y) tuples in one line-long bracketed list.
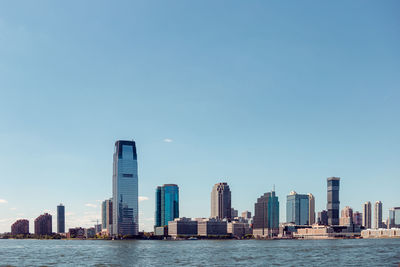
[(254, 93)]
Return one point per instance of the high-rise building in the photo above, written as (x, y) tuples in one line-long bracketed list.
[(333, 204), (107, 215), (234, 213), (60, 218), (266, 215), (20, 227), (125, 189), (221, 201), (323, 217), (378, 215), (298, 210), (43, 224), (311, 206), (357, 218), (346, 217), (367, 215), (167, 204)]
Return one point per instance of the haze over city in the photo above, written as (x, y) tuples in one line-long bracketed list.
[(257, 95)]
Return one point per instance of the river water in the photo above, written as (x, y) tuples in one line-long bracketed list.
[(366, 252)]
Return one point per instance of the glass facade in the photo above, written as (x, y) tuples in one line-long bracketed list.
[(125, 189), (60, 219), (167, 204), (396, 212), (297, 209), (266, 211), (333, 200)]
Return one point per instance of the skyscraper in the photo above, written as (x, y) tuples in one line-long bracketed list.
[(107, 215), (167, 204), (378, 214), (357, 218), (394, 218), (323, 217), (367, 215), (311, 206), (60, 218), (333, 204), (221, 201), (297, 209), (266, 215), (125, 189), (43, 224)]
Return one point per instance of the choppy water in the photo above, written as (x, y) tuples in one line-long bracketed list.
[(371, 252)]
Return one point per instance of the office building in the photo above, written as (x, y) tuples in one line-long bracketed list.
[(107, 216), (367, 215), (77, 232), (333, 204), (60, 218), (357, 218), (346, 218), (167, 204), (182, 227), (221, 201), (234, 213), (211, 227), (378, 215), (43, 224), (20, 227), (238, 229), (323, 218), (125, 189), (90, 232), (311, 206), (246, 214), (298, 208), (394, 218), (266, 216)]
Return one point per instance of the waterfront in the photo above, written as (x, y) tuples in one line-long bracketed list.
[(361, 252)]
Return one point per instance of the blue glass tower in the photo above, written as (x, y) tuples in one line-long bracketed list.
[(125, 189), (297, 209), (167, 204)]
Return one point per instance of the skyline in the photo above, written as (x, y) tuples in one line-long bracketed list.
[(261, 93)]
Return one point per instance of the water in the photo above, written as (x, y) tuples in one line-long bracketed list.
[(367, 252)]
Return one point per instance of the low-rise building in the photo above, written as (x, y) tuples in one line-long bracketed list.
[(328, 232), (381, 233), (20, 227), (77, 232), (182, 227), (238, 229), (90, 232), (211, 227)]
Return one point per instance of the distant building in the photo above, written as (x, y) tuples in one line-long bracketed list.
[(167, 204), (266, 216), (107, 215), (211, 227), (77, 232), (20, 227), (327, 232), (125, 189), (182, 227), (238, 229), (311, 206), (98, 228), (60, 218), (298, 210), (323, 218), (346, 217), (378, 215), (367, 215), (43, 224), (234, 213), (394, 218), (246, 214), (90, 232), (333, 200), (381, 233), (221, 201), (357, 218)]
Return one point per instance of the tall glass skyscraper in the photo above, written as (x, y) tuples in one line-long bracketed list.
[(60, 218), (167, 204), (298, 209), (333, 200), (125, 189), (266, 215)]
